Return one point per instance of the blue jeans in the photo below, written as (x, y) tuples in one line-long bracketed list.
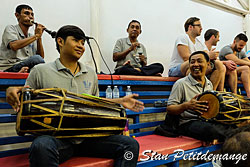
[(175, 71), (29, 62), (47, 151)]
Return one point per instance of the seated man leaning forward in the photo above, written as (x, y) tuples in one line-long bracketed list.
[(131, 56), (67, 72), (20, 50), (187, 44), (182, 103)]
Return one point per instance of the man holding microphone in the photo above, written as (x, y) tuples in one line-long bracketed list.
[(20, 50)]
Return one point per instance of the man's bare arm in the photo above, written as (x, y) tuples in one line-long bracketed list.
[(237, 60), (193, 104), (18, 44), (183, 51)]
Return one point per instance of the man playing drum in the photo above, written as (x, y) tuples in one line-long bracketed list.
[(184, 107), (66, 72)]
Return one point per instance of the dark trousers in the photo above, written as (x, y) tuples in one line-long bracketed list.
[(29, 62), (205, 131), (47, 151), (149, 70)]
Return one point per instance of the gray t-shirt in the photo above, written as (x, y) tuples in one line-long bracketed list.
[(226, 50), (8, 57), (124, 44), (54, 74), (184, 90)]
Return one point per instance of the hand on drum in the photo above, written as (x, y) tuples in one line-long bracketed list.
[(198, 106), (12, 97), (130, 103)]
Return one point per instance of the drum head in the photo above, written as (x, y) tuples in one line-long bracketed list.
[(213, 104)]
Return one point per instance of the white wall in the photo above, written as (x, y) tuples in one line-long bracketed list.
[(162, 21)]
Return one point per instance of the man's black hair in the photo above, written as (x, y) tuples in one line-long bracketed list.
[(189, 22), (199, 52), (238, 144), (134, 21), (23, 6), (69, 30), (209, 33), (242, 37)]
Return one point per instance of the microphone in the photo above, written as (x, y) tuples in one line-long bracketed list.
[(52, 33), (87, 37)]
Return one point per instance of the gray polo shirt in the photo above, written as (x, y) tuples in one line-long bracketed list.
[(184, 90), (226, 50), (54, 74), (8, 57), (124, 44)]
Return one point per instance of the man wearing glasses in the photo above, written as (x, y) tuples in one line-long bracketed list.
[(188, 43)]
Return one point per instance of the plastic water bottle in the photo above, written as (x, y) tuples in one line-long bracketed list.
[(109, 93), (128, 91), (116, 94)]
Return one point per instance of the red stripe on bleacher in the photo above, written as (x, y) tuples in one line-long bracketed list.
[(108, 77), (148, 78), (15, 161), (13, 75), (166, 145), (88, 162), (23, 161)]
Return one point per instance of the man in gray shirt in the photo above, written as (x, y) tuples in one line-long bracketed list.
[(182, 102), (66, 72), (131, 56), (235, 53), (20, 50)]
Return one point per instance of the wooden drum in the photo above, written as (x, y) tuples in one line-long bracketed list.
[(64, 114), (226, 107)]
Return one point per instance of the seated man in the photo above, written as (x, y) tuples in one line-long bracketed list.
[(186, 110), (66, 72), (212, 36), (187, 44), (234, 52), (131, 56), (20, 50)]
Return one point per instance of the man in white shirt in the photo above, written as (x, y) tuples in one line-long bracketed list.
[(211, 37), (185, 45)]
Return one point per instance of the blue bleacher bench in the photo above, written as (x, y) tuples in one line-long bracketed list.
[(141, 125)]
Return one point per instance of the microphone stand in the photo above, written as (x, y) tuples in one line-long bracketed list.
[(92, 55), (88, 38)]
